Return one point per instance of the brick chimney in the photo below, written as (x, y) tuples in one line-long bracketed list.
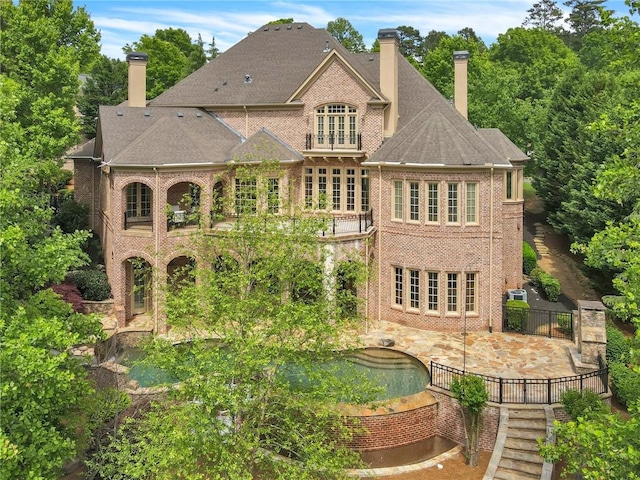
[(460, 61), (137, 93), (389, 41)]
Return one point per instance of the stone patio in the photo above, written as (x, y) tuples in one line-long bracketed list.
[(507, 355)]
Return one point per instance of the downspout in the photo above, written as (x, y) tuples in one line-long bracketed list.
[(379, 242), (491, 254), (157, 254), (366, 292)]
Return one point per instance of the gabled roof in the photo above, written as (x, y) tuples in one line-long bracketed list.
[(277, 59), (264, 146), (163, 136), (438, 136), (84, 150)]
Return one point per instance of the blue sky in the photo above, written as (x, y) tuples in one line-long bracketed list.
[(122, 22)]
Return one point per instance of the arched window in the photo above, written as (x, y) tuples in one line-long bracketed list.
[(336, 126)]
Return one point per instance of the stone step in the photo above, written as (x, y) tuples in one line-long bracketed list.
[(521, 466), (527, 413), (526, 434), (528, 445), (507, 474), (524, 455), (527, 424)]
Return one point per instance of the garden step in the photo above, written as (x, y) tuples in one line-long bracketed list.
[(527, 413), (521, 444), (527, 424), (508, 474), (522, 466), (524, 455), (526, 434)]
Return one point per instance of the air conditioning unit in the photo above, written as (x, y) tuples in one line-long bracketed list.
[(517, 294)]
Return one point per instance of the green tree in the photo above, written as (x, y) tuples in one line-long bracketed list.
[(172, 56), (432, 39), (272, 306), (213, 51), (545, 15), (342, 30), (585, 17), (411, 46), (471, 393), (281, 21), (106, 84), (45, 44)]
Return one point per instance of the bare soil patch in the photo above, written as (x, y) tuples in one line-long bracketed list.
[(452, 469)]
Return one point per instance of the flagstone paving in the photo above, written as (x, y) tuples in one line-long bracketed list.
[(506, 355)]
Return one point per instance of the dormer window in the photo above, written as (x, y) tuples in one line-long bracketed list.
[(336, 126)]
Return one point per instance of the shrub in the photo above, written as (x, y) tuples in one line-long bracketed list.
[(564, 322), (71, 295), (529, 258), (517, 315), (93, 284), (584, 404), (48, 303), (618, 347), (72, 216), (547, 282), (625, 383)]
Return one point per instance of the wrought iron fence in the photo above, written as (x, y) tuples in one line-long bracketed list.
[(332, 141), (349, 224), (534, 321), (526, 390)]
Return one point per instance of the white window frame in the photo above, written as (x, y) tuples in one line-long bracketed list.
[(433, 203), (397, 201), (453, 203), (433, 292), (337, 120), (453, 292), (413, 201), (414, 289), (471, 293), (398, 286), (471, 203)]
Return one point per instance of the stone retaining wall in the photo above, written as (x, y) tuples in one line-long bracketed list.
[(104, 308)]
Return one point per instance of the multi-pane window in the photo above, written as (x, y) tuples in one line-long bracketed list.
[(398, 285), (138, 200), (336, 125), (470, 300), (398, 200), (414, 289), (433, 198), (472, 203), (342, 189), (432, 292), (414, 201), (351, 189), (508, 186), (322, 188), (246, 196), (308, 187), (273, 195), (335, 188), (364, 191), (452, 203), (452, 292)]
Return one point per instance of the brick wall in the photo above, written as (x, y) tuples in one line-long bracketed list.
[(449, 422), (387, 427)]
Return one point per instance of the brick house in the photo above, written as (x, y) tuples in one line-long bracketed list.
[(433, 202)]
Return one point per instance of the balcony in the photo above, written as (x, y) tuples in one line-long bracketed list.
[(339, 145), (336, 226)]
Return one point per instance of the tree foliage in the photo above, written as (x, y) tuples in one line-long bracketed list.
[(261, 289), (472, 395), (172, 56), (545, 15), (343, 31)]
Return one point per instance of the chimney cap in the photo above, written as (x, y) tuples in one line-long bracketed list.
[(137, 56), (461, 55), (388, 33)]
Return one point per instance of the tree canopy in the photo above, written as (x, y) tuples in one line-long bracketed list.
[(346, 34)]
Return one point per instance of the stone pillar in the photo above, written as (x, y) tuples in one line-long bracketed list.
[(591, 332)]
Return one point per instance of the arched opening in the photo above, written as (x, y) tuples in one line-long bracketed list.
[(346, 289), (139, 285), (183, 205), (139, 211), (217, 210), (180, 272)]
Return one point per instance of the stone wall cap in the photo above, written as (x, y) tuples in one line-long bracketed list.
[(591, 305)]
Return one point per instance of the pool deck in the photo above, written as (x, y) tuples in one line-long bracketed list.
[(507, 355)]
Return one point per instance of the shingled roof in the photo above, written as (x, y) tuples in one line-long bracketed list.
[(266, 67), (264, 146), (163, 136)]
